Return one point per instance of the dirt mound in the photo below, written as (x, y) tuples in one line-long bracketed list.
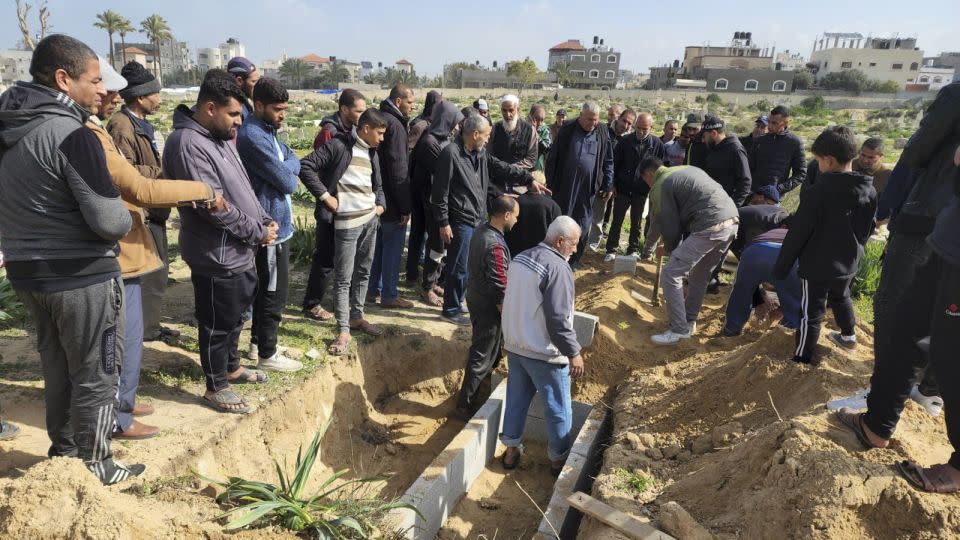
[(705, 432)]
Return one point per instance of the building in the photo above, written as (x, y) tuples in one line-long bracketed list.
[(354, 69), (366, 68), (946, 59), (594, 67), (749, 80), (936, 77), (788, 61), (404, 65), (482, 78), (138, 55), (15, 66), (316, 62), (271, 67), (662, 76), (741, 53), (174, 55), (232, 48), (882, 59), (210, 58)]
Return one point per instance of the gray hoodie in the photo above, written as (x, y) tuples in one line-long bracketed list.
[(60, 214), (214, 243)]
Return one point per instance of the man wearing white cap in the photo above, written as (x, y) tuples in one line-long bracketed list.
[(513, 140), (483, 109)]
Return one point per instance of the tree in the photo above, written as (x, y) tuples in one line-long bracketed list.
[(110, 21), (334, 75), (157, 30), (562, 71), (851, 80), (525, 71), (453, 73), (802, 80), (295, 70), (124, 29), (23, 10)]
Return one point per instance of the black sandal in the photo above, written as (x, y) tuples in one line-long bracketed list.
[(513, 465), (244, 377), (221, 400), (854, 422)]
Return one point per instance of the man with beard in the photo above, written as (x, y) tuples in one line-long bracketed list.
[(759, 130), (245, 74), (559, 119), (580, 170), (727, 161), (350, 105), (486, 283), (538, 119), (446, 120), (778, 157), (513, 140), (630, 190), (219, 247)]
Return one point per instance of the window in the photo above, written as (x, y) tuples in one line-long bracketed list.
[(846, 65), (721, 84), (914, 66), (594, 57), (578, 57), (937, 80), (779, 86), (897, 66), (611, 59), (594, 74), (924, 79), (610, 74), (873, 64), (578, 73), (751, 85), (825, 65)]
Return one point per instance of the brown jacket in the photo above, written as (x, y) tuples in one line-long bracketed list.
[(138, 252), (138, 148), (880, 176)]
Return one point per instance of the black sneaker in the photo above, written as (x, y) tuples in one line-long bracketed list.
[(112, 472), (457, 319)]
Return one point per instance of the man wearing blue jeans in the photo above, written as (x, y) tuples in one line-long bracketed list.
[(542, 346), (756, 267), (394, 172)]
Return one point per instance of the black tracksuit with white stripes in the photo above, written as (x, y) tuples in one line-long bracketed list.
[(826, 235)]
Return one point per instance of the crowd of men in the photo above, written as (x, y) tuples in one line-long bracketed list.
[(500, 215)]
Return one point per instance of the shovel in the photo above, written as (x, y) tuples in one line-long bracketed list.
[(656, 281)]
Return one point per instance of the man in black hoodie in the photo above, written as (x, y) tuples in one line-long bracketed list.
[(727, 161), (778, 157), (827, 234), (446, 120), (394, 171)]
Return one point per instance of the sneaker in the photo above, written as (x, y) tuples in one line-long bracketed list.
[(933, 404), (609, 257), (457, 319), (713, 287), (464, 309), (595, 247), (693, 328), (280, 362), (726, 332), (253, 353), (847, 342), (856, 402), (924, 344), (111, 472), (668, 338), (632, 254)]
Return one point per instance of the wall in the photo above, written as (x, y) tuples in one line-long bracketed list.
[(862, 58), (737, 79)]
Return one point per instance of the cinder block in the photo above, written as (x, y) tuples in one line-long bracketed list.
[(625, 265), (585, 325)]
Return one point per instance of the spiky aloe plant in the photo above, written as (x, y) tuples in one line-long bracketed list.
[(336, 510)]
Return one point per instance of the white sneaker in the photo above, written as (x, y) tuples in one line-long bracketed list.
[(632, 254), (857, 401), (253, 353), (595, 247), (609, 257), (279, 362), (693, 328), (668, 338), (933, 404)]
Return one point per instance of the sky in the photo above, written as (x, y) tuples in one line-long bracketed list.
[(432, 33)]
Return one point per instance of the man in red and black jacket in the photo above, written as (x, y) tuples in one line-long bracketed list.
[(487, 282)]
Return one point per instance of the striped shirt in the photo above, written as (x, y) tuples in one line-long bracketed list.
[(356, 200)]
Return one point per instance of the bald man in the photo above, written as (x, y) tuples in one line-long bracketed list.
[(630, 191)]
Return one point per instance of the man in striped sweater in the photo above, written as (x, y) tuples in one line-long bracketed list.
[(488, 260), (344, 176)]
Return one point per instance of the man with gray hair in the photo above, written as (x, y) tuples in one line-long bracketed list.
[(513, 140), (464, 179), (541, 343), (538, 119), (580, 170)]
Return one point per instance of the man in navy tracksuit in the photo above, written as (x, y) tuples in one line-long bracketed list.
[(827, 234)]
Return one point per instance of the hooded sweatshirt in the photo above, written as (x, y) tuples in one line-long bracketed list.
[(221, 243), (833, 222), (394, 165), (60, 214), (419, 125), (727, 163), (423, 161)]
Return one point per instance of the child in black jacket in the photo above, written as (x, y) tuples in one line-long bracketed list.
[(827, 234)]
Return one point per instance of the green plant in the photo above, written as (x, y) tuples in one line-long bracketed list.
[(867, 280), (10, 307), (714, 99), (636, 481), (302, 195), (336, 510), (303, 241)]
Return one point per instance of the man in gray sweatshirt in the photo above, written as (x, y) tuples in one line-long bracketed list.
[(697, 221), (219, 247), (60, 220)]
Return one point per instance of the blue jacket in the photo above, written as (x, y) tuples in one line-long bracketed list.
[(273, 180)]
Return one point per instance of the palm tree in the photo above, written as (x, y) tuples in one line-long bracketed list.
[(123, 29), (564, 76), (157, 30), (110, 21), (294, 69)]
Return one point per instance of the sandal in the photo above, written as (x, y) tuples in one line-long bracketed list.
[(221, 401), (259, 377), (512, 465), (933, 479), (854, 422), (366, 327), (317, 313), (431, 298), (340, 346)]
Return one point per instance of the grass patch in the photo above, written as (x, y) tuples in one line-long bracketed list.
[(634, 481)]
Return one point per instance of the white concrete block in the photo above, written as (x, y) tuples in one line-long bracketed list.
[(585, 325), (625, 265)]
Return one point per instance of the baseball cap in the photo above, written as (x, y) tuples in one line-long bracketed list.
[(769, 191), (712, 122), (240, 66), (562, 112), (763, 119), (694, 119), (112, 81)]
